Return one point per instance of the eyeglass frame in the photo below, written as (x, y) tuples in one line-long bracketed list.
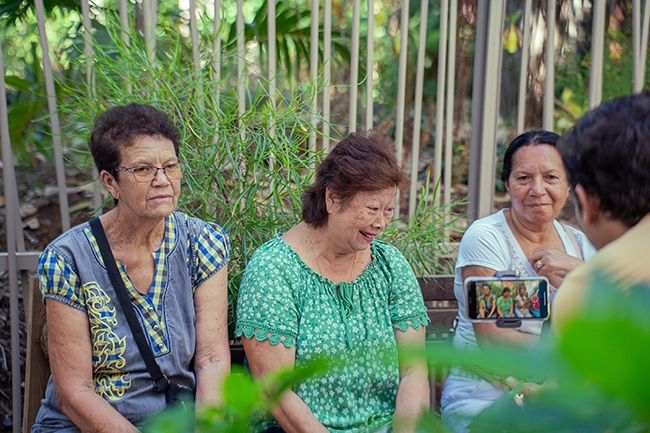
[(155, 173)]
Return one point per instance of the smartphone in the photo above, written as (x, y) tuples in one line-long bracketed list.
[(507, 298)]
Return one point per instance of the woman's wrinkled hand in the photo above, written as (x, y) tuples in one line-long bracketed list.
[(553, 263), (528, 389)]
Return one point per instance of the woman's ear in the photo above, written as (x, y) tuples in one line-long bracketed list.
[(329, 200), (589, 205), (110, 183)]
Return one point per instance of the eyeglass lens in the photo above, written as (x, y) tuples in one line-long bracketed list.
[(147, 173)]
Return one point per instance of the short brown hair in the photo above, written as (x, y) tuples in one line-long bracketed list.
[(360, 162), (120, 126)]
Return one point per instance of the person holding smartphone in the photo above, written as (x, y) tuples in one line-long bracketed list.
[(525, 238), (608, 159)]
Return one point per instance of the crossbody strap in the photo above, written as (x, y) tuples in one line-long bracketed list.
[(573, 240), (160, 381)]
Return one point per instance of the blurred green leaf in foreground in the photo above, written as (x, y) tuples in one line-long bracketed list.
[(593, 378)]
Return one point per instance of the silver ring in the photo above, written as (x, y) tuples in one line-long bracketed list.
[(539, 264)]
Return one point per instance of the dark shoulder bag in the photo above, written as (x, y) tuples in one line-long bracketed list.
[(175, 394)]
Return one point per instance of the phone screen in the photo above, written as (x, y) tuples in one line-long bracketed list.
[(493, 298)]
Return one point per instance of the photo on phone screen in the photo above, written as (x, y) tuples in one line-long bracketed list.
[(493, 298)]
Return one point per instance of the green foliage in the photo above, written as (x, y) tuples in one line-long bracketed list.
[(246, 170), (293, 33), (16, 10), (243, 401), (424, 239), (594, 374), (572, 74), (591, 378), (240, 174)]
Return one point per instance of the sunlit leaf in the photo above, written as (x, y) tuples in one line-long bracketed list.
[(240, 392), (613, 354)]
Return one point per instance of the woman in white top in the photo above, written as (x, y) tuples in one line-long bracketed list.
[(525, 238), (522, 304)]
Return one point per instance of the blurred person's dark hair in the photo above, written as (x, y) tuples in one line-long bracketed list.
[(608, 153)]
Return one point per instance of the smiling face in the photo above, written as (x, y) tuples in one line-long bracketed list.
[(538, 184), (145, 200), (357, 224)]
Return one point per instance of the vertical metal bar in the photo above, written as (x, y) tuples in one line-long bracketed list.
[(54, 117), (196, 54), (148, 30), (523, 71), (241, 83), (549, 82), (449, 111), (216, 47), (153, 4), (440, 96), (485, 100), (124, 20), (90, 83), (637, 77), (370, 64), (11, 193), (88, 48), (194, 33), (417, 118), (354, 67), (491, 107), (124, 34), (216, 67), (597, 48), (478, 89), (327, 70), (313, 70), (401, 89), (272, 52), (644, 40)]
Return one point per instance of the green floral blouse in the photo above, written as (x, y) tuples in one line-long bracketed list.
[(354, 324)]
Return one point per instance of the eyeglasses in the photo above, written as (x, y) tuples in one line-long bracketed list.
[(147, 173)]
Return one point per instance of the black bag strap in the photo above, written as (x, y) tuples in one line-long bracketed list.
[(160, 381)]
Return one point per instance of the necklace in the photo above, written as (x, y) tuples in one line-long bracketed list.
[(315, 258)]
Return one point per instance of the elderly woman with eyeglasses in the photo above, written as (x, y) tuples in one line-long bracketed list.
[(175, 271)]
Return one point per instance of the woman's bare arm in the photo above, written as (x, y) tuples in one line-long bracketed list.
[(293, 415), (70, 350), (413, 391), (212, 356)]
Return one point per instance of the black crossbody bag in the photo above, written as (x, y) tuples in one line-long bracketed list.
[(175, 394)]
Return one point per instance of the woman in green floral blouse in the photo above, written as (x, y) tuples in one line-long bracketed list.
[(329, 288)]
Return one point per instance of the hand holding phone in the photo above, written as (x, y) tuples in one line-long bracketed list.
[(506, 298)]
